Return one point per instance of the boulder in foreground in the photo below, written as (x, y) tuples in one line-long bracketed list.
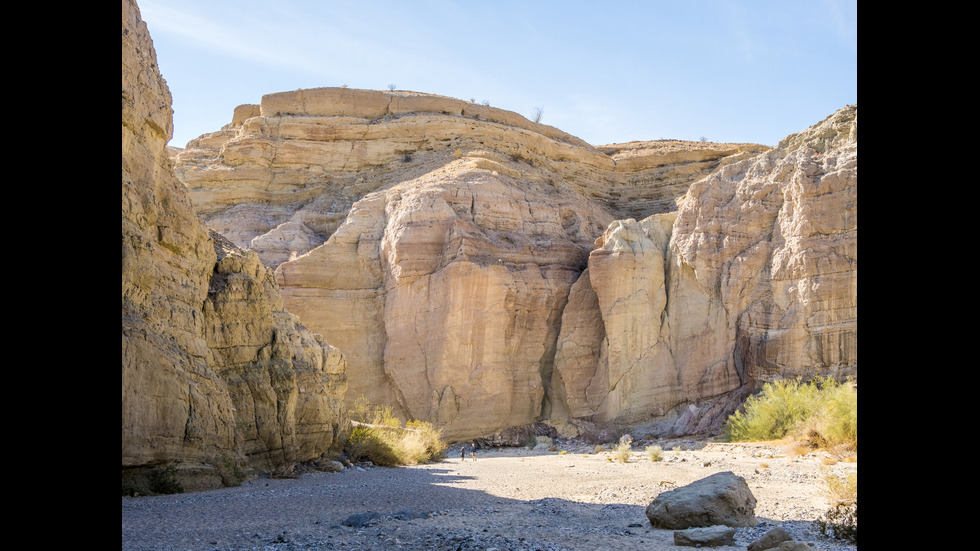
[(720, 499)]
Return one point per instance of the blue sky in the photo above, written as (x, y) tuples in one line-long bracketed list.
[(607, 72)]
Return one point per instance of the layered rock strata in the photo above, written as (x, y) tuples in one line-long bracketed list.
[(216, 377), (282, 176), (481, 271), (433, 240), (446, 291), (753, 279)]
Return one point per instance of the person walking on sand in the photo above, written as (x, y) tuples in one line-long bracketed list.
[(462, 453), (473, 450)]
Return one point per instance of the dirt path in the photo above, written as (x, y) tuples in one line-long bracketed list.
[(507, 499)]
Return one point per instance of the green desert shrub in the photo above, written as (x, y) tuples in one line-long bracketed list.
[(780, 407), (369, 444), (840, 521), (381, 439), (421, 443), (837, 419), (822, 411)]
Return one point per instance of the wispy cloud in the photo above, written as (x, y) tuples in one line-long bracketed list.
[(738, 25), (238, 42), (302, 38), (845, 28), (646, 77)]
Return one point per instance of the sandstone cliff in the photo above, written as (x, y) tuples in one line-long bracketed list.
[(481, 271), (753, 279), (216, 376), (282, 176), (433, 240)]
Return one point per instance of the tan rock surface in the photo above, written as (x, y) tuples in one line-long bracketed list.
[(437, 243), (286, 383), (173, 404), (625, 367), (771, 245), (753, 279), (280, 178), (432, 240), (457, 279), (216, 377)]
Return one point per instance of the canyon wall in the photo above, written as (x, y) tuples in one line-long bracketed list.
[(434, 241), (481, 271), (753, 279), (284, 174), (217, 378)]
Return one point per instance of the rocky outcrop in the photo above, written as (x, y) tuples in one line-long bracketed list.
[(286, 383), (216, 377), (614, 361), (753, 279), (433, 240), (446, 291), (777, 237), (282, 176), (481, 271)]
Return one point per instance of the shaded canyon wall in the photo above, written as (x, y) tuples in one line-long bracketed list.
[(217, 378)]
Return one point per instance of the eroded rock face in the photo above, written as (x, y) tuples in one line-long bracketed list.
[(457, 279), (282, 176), (753, 279), (216, 376), (481, 271), (619, 367), (173, 404), (433, 240), (770, 246), (286, 383)]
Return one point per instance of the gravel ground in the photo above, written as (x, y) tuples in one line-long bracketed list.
[(508, 499)]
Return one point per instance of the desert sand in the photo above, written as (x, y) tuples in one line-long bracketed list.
[(508, 498)]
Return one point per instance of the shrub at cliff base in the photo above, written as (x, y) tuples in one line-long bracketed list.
[(655, 453), (624, 449), (822, 411), (381, 439), (840, 521)]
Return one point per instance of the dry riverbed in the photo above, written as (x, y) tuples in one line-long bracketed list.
[(508, 499)]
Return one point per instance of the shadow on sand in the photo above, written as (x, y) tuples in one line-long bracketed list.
[(382, 508)]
